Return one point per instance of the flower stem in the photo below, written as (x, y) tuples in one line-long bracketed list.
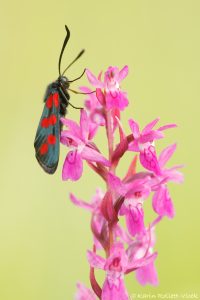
[(98, 169), (95, 286), (109, 134)]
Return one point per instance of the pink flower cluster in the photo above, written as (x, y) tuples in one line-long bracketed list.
[(131, 249)]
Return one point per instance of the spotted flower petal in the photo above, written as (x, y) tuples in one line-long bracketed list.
[(73, 166), (147, 274), (149, 160), (162, 203), (135, 220), (115, 291), (116, 99)]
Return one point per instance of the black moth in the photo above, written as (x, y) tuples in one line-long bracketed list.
[(56, 99)]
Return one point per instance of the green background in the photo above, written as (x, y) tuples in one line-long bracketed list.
[(43, 237)]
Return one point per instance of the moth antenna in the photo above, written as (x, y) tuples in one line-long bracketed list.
[(77, 57), (63, 48), (78, 77)]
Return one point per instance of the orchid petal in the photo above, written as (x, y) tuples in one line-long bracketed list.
[(95, 260), (84, 293), (168, 126), (84, 124), (134, 128), (85, 89), (142, 261), (123, 73), (135, 220), (123, 210), (162, 203), (132, 168), (73, 166), (151, 136), (174, 175), (116, 184), (65, 134), (119, 151), (107, 208), (100, 96), (73, 126), (93, 130), (111, 77), (150, 126), (80, 203), (138, 189), (122, 234), (166, 155), (114, 289), (147, 274), (97, 118), (116, 99), (93, 155), (93, 80), (149, 160), (99, 76), (134, 146)]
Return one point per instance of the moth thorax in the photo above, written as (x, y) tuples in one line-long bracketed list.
[(64, 81)]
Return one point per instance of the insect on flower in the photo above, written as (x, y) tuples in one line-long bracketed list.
[(56, 100)]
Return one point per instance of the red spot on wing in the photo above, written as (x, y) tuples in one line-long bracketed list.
[(52, 120), (45, 122), (49, 101), (51, 139), (43, 148), (56, 99)]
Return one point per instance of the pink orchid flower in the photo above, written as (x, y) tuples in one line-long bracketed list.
[(93, 206), (147, 275), (84, 293), (98, 221), (144, 143), (169, 174), (116, 265), (115, 97), (130, 248), (93, 107), (78, 138), (135, 193), (162, 202), (143, 245)]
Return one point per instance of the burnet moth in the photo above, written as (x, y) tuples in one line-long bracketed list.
[(56, 99)]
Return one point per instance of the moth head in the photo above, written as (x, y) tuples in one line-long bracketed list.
[(64, 81)]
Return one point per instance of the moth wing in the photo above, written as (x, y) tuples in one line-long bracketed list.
[(47, 140)]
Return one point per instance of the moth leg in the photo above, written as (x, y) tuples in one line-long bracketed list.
[(66, 99), (74, 106), (81, 93)]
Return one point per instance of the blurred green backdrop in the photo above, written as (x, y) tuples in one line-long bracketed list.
[(43, 237)]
